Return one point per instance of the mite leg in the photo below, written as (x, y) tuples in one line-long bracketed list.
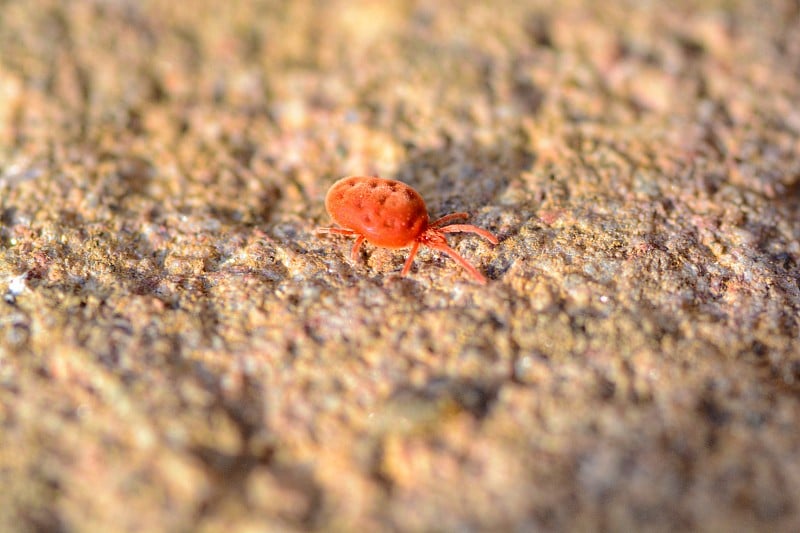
[(447, 218), (411, 254), (461, 261), (335, 231), (356, 246), (348, 233), (469, 228)]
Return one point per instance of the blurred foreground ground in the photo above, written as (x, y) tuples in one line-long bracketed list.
[(179, 351)]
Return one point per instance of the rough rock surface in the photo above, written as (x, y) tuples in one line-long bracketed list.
[(179, 350)]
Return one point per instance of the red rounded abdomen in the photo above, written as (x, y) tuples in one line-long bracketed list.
[(388, 213)]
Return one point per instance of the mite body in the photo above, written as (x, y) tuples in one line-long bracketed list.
[(390, 214)]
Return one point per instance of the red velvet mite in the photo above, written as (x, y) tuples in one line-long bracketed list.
[(391, 214)]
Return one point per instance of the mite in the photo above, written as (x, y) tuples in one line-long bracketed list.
[(391, 214)]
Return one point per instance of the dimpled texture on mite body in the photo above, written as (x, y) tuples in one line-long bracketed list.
[(387, 213)]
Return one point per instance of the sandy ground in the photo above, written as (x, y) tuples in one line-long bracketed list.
[(179, 351)]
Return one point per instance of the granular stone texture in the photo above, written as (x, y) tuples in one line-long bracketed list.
[(179, 351)]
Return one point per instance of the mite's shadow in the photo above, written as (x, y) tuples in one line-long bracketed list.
[(463, 176)]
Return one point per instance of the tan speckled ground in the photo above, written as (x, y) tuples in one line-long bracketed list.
[(179, 351)]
